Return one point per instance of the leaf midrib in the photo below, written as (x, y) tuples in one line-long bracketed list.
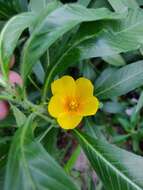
[(25, 164), (117, 84), (107, 162)]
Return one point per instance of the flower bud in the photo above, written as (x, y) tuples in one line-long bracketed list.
[(15, 78), (4, 109)]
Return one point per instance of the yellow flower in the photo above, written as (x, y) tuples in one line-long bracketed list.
[(72, 100)]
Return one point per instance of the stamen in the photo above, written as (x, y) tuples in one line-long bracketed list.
[(73, 105)]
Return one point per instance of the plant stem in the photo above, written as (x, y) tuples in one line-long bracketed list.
[(34, 84), (46, 118), (45, 133)]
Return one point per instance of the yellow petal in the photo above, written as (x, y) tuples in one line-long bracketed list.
[(55, 106), (90, 106), (69, 121), (84, 88), (64, 86)]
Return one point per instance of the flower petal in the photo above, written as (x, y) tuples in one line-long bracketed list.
[(69, 121), (55, 106), (64, 86), (90, 106), (84, 88)]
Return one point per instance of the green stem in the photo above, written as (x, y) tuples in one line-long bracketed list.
[(71, 162), (46, 118), (45, 133), (34, 84)]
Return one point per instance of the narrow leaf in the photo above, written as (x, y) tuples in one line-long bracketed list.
[(121, 81), (118, 169), (119, 5), (54, 26), (30, 167), (10, 35)]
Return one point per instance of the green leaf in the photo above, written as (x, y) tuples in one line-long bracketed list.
[(139, 104), (113, 107), (84, 2), (14, 28), (1, 25), (39, 72), (118, 169), (112, 38), (87, 70), (119, 5), (38, 5), (8, 8), (2, 172), (140, 2), (20, 5), (54, 26), (124, 123), (121, 81), (19, 116), (135, 114), (31, 167), (71, 162), (116, 60), (120, 138), (95, 131), (101, 3), (105, 74)]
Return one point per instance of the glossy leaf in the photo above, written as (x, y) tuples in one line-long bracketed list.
[(118, 169), (114, 38), (84, 2), (38, 5), (54, 26), (121, 81), (31, 167), (119, 5), (118, 37), (14, 28), (116, 60), (105, 74), (17, 25)]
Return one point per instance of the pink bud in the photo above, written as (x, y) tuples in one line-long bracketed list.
[(4, 109), (15, 78)]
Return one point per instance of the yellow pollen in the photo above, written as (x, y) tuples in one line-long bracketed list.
[(73, 105)]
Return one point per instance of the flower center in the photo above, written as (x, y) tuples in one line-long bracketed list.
[(73, 105)]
